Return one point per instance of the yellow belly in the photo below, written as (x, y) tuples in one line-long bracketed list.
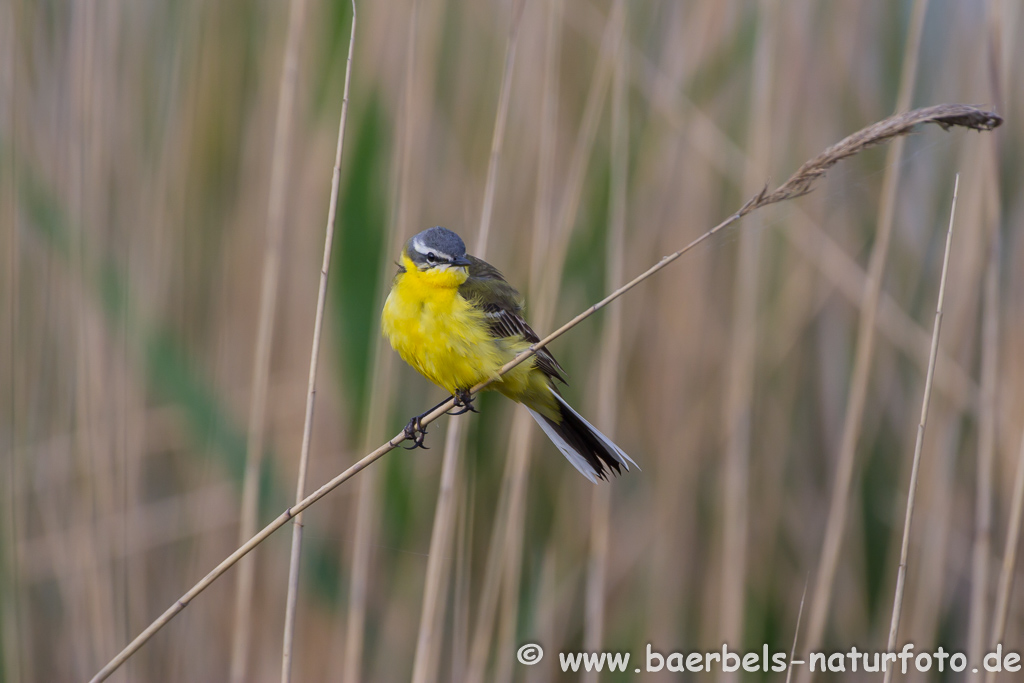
[(447, 340), (437, 332)]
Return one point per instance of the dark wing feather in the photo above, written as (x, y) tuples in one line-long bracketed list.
[(486, 289)]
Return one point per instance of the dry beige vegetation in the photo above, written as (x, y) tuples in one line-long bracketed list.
[(769, 383)]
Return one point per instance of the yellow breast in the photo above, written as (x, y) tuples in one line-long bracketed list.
[(438, 332)]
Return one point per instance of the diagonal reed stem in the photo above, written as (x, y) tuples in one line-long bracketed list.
[(901, 573), (947, 116)]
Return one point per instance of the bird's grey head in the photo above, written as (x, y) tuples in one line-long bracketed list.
[(436, 247)]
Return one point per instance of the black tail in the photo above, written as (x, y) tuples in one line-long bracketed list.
[(590, 451)]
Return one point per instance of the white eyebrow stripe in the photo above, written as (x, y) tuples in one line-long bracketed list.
[(418, 245)]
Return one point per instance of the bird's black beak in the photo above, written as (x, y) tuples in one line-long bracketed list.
[(461, 261)]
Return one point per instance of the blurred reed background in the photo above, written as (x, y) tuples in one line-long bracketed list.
[(136, 148)]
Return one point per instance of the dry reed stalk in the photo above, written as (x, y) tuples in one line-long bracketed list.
[(998, 72), (367, 509), (578, 164), (670, 406), (276, 201), (609, 366), (61, 555), (307, 430), (94, 416), (162, 204), (739, 394), (796, 633), (487, 602), (929, 576), (543, 206), (927, 596), (547, 604), (988, 410), (925, 609), (901, 572), (544, 292), (11, 591), (366, 515), (772, 497), (865, 345), (509, 567), (463, 594), (368, 503), (1009, 566), (429, 639), (544, 296), (563, 594), (504, 542), (981, 208), (435, 591), (498, 136), (944, 115)]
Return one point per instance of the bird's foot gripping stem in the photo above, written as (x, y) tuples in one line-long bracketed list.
[(463, 403), (416, 432)]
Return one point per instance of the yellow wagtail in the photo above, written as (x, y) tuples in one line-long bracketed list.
[(454, 318)]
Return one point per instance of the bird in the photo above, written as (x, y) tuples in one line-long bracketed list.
[(455, 319)]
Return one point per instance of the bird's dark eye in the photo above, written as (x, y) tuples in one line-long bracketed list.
[(432, 257)]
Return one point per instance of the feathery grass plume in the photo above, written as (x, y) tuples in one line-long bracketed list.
[(946, 116)]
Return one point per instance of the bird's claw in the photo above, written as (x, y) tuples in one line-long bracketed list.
[(415, 432), (463, 402)]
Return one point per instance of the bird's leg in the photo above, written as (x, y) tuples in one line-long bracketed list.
[(415, 431), (463, 401)]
